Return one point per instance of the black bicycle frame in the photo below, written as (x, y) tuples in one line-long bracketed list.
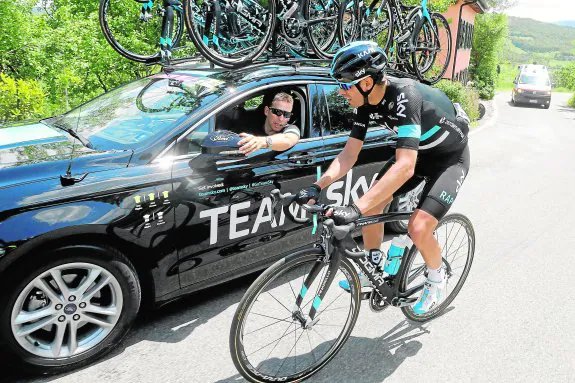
[(337, 248)]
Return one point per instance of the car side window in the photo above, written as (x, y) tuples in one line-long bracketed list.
[(192, 143), (247, 116), (340, 113)]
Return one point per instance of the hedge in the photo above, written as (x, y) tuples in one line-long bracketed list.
[(466, 96)]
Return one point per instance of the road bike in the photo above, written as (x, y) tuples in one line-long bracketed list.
[(234, 33), (293, 320), (417, 41), (230, 33)]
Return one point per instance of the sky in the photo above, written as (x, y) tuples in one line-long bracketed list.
[(544, 10)]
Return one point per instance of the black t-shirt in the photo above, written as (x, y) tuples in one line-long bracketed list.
[(423, 117)]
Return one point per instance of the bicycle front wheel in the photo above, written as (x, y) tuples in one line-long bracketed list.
[(456, 238), (132, 36), (268, 342)]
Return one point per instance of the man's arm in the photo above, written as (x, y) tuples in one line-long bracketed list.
[(342, 163), (408, 112), (279, 142)]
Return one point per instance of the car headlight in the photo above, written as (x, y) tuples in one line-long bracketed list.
[(519, 90)]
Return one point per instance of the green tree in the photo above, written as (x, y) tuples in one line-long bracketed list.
[(490, 33), (19, 99)]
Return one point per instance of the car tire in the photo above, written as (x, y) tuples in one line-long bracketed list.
[(546, 106), (83, 319), (404, 202)]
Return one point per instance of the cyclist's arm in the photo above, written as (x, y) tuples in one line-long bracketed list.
[(342, 163), (398, 174), (408, 112)]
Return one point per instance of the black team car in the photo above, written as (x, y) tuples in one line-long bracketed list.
[(123, 200)]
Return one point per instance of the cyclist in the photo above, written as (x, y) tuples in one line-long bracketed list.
[(431, 146)]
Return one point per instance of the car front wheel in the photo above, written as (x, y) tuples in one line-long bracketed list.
[(71, 310)]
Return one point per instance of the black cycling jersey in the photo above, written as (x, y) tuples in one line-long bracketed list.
[(423, 117)]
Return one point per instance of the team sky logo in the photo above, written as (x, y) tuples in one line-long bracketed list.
[(375, 116), (401, 101), (241, 224), (360, 72)]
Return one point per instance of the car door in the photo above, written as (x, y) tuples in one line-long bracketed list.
[(331, 114), (224, 217)]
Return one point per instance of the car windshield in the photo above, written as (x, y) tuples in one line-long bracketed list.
[(534, 80), (133, 115)]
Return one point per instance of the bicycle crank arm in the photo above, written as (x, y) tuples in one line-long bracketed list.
[(400, 302)]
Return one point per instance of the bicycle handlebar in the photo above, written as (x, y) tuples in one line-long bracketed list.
[(341, 232)]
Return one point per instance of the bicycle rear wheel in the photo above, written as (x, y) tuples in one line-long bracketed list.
[(131, 37), (228, 34), (268, 343), (456, 238), (432, 52)]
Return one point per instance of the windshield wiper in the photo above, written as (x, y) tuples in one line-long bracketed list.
[(71, 132)]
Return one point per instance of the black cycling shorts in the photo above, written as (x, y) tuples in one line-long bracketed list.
[(443, 176)]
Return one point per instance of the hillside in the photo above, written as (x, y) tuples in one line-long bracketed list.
[(539, 37)]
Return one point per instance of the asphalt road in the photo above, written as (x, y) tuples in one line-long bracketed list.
[(512, 322)]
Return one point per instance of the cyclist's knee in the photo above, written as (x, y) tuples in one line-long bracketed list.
[(421, 226)]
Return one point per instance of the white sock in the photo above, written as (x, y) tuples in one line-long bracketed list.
[(436, 275)]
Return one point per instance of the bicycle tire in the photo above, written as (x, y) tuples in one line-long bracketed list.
[(348, 21), (150, 45), (439, 71), (237, 349), (230, 63), (413, 255), (324, 49)]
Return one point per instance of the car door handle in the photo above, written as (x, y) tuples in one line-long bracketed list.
[(304, 159)]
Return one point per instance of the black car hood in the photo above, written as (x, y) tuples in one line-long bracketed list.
[(36, 151)]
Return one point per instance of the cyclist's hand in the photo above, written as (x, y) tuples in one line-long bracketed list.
[(342, 215), (309, 195)]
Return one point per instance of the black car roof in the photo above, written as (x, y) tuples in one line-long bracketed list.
[(258, 71)]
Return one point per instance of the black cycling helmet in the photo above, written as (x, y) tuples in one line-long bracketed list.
[(358, 60)]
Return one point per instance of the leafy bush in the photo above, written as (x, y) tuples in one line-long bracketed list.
[(20, 99), (490, 33), (571, 101), (564, 77), (466, 96)]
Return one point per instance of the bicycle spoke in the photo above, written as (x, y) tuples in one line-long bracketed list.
[(270, 294), (272, 342), (271, 324)]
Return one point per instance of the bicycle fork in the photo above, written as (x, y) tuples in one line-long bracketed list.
[(168, 28)]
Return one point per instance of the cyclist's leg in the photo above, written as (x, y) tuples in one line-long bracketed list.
[(438, 196), (373, 234)]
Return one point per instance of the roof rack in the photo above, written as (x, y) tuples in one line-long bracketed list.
[(199, 63)]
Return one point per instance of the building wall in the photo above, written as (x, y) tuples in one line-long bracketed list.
[(463, 52)]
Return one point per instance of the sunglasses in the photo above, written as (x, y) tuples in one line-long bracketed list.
[(344, 85), (279, 112)]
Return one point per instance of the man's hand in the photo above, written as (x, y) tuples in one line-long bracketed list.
[(342, 215), (250, 143), (309, 195)]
